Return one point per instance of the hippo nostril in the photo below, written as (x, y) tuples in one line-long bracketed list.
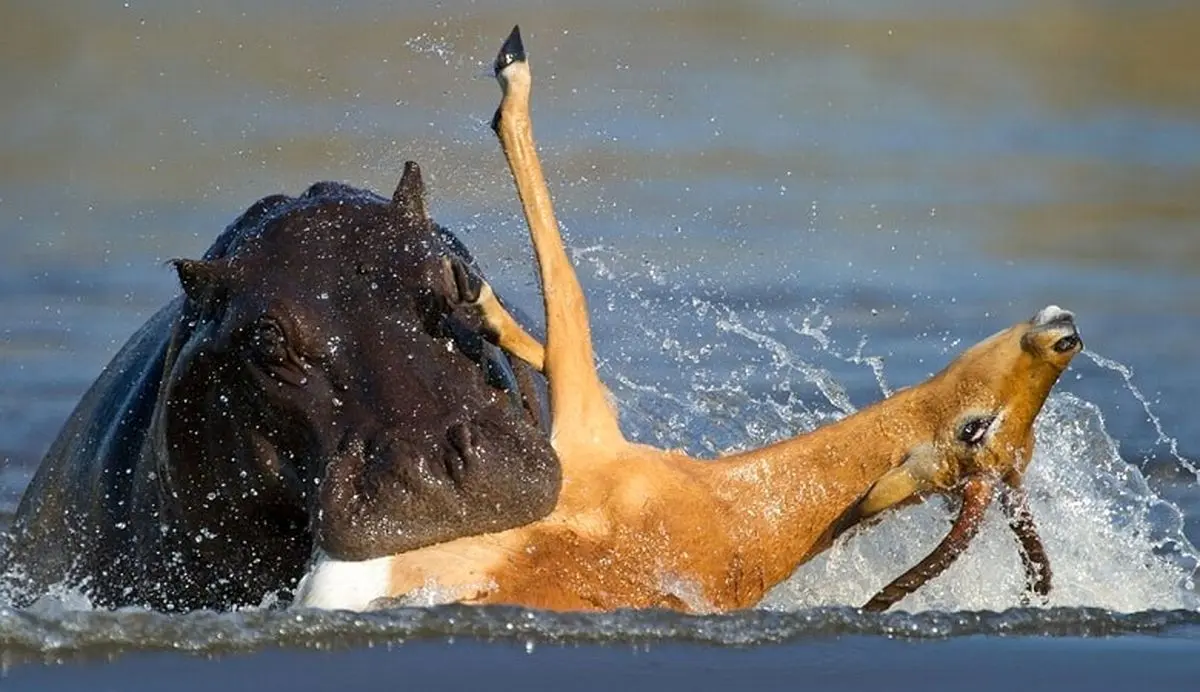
[(390, 447), (391, 459), (462, 452)]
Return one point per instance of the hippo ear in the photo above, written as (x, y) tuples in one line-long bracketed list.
[(409, 197), (202, 281)]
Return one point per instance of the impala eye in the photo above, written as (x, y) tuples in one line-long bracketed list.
[(1067, 343), (975, 430)]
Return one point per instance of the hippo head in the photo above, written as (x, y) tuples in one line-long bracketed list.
[(317, 373)]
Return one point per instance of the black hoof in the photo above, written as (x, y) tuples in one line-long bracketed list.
[(511, 52)]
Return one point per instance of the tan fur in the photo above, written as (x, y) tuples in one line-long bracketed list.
[(505, 330), (639, 527)]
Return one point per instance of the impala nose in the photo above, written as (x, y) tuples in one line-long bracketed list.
[(1052, 315), (1060, 324)]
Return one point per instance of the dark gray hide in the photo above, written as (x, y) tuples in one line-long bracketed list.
[(317, 381)]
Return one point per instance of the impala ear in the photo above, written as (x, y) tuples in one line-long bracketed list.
[(893, 489), (903, 484), (203, 282), (409, 197)]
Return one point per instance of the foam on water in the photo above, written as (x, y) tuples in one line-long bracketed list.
[(1112, 542)]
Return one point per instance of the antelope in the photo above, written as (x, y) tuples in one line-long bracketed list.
[(640, 527)]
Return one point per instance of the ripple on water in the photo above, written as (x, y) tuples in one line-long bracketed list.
[(73, 635)]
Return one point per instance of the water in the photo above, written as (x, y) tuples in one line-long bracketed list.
[(780, 211)]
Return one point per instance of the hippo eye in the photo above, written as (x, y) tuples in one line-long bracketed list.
[(974, 430), (269, 342), (1067, 343)]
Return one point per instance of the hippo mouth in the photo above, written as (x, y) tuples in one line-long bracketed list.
[(391, 459), (390, 494)]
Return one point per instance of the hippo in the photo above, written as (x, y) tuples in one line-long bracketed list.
[(315, 389)]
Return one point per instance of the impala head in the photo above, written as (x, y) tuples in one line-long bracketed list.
[(976, 416)]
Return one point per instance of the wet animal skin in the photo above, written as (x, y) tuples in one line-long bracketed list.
[(316, 386), (640, 527)]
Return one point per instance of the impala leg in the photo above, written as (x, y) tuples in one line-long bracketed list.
[(498, 324), (579, 410), (507, 333)]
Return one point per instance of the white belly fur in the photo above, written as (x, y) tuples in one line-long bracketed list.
[(454, 572), (341, 585)]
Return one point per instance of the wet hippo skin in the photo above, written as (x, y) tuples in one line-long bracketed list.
[(316, 385)]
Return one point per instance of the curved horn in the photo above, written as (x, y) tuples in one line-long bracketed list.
[(409, 197), (1033, 553), (977, 495)]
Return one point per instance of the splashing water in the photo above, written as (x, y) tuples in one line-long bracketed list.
[(1163, 438), (1112, 542), (1121, 560), (443, 50)]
